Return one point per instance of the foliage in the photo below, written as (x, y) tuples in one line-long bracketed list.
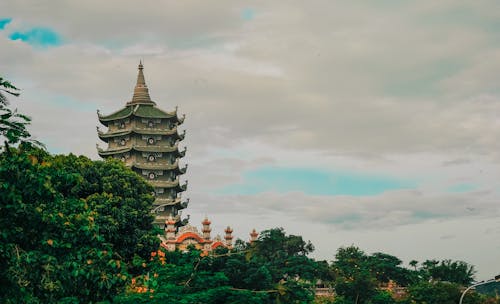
[(383, 297), (13, 125), (386, 267), (447, 270), (440, 293), (273, 269), (70, 229), (355, 281)]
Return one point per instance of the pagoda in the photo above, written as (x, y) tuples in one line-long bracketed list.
[(147, 140)]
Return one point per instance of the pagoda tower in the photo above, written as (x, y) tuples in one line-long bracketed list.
[(147, 140)]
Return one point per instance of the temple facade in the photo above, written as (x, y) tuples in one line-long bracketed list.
[(188, 235), (147, 139)]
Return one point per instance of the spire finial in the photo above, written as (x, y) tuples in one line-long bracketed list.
[(141, 92)]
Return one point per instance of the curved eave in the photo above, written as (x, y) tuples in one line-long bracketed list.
[(120, 114), (141, 110), (180, 120), (155, 166), (104, 153), (160, 203), (105, 136), (159, 149)]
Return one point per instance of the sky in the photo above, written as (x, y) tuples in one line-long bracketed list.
[(366, 123)]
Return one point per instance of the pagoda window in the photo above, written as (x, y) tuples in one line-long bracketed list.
[(123, 142), (123, 158), (151, 175), (151, 124), (151, 158), (122, 125), (151, 141)]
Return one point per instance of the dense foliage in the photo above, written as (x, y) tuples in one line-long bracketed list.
[(363, 279), (13, 125), (273, 269), (70, 227)]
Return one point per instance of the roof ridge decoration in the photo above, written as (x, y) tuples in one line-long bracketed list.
[(141, 92)]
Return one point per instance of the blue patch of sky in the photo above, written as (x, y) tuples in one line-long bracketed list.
[(38, 37), (314, 182), (4, 22), (461, 188), (247, 14)]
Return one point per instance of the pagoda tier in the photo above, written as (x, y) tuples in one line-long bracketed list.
[(105, 136), (147, 140), (141, 148)]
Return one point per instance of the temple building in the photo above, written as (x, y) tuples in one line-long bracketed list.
[(189, 235), (147, 140)]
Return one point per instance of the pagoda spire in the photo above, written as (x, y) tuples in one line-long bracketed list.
[(141, 92)]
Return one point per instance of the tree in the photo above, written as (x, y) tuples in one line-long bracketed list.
[(355, 281), (273, 269), (440, 293), (62, 223), (447, 270), (386, 267), (414, 263), (13, 125)]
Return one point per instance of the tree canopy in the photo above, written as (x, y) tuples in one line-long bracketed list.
[(70, 227)]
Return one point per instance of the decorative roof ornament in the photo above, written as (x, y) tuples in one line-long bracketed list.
[(141, 92)]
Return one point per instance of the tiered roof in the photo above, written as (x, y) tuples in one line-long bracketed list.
[(140, 119)]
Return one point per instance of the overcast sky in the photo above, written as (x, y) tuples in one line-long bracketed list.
[(373, 123)]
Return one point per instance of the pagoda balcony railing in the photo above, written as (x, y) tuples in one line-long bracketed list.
[(168, 184), (144, 148), (160, 203), (163, 218)]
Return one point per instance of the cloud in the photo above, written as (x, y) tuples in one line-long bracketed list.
[(38, 37), (384, 211)]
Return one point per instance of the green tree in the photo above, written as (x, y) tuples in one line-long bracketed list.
[(355, 281), (61, 223), (440, 293), (386, 267), (13, 125), (447, 270), (414, 263), (273, 269)]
